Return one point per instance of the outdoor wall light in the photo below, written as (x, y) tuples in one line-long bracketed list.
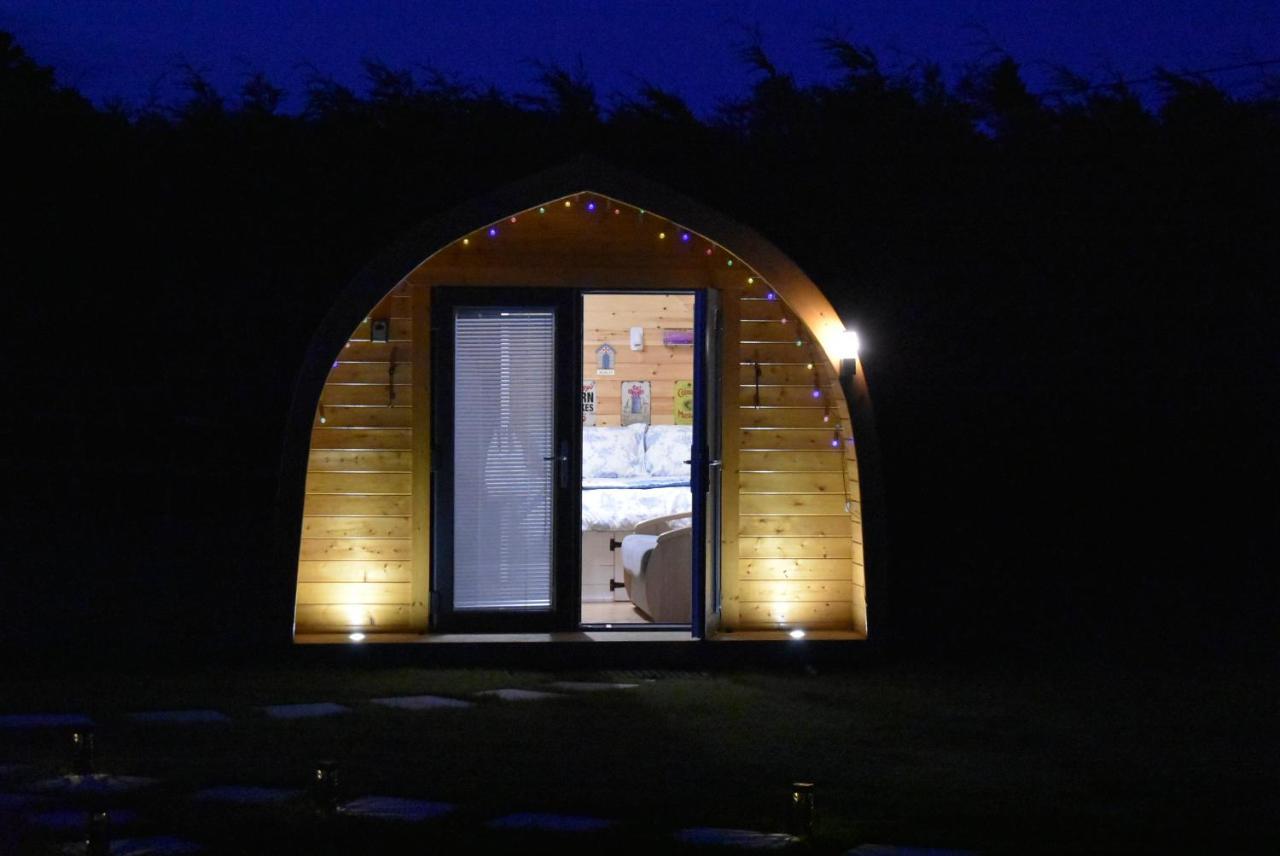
[(356, 637), (847, 345), (796, 634)]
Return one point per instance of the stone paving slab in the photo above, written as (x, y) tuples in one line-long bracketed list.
[(590, 686), (304, 711), (45, 720), (17, 802), (741, 839), (93, 784), (396, 808), (247, 794), (543, 822), (156, 845), (895, 850), (423, 702), (68, 819), (179, 717), (512, 694)]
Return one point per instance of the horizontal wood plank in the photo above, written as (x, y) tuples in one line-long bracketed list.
[(786, 439), (355, 549), (793, 504), (373, 372), (364, 483), (815, 460), (832, 484), (354, 572), (354, 593), (817, 418), (830, 526), (359, 461), (355, 527), (794, 591), (782, 396), (375, 394), (369, 618), (376, 416), (817, 615), (361, 438), (346, 505), (795, 569), (795, 548)]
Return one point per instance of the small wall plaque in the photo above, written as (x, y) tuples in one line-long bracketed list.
[(674, 338), (604, 360)]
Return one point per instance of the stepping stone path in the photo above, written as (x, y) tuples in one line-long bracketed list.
[(158, 845), (740, 839), (93, 784), (510, 694), (304, 711), (396, 808), (68, 819), (590, 686), (423, 702), (894, 850), (247, 795), (539, 822), (45, 720), (179, 717)]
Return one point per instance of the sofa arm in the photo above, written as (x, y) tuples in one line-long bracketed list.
[(659, 525)]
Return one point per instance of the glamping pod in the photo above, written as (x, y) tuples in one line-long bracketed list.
[(583, 408)]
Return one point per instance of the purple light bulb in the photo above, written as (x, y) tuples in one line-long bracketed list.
[(493, 232), (817, 393), (770, 296), (591, 206)]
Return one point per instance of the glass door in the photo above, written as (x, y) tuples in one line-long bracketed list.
[(505, 401)]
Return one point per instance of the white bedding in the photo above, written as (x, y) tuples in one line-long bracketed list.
[(622, 508)]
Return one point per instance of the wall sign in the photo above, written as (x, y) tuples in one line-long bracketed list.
[(684, 402), (604, 359), (588, 402), (673, 338), (635, 402)]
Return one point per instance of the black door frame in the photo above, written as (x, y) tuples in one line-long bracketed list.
[(566, 538)]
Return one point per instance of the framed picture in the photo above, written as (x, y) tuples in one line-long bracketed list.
[(636, 400), (684, 402)]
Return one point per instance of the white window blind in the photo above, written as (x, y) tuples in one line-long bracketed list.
[(503, 430)]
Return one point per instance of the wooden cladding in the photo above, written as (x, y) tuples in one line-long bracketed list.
[(798, 535), (354, 564)]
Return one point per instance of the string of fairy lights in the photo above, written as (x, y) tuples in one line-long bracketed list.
[(669, 233)]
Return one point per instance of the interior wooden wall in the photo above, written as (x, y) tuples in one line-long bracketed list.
[(792, 552), (608, 319)]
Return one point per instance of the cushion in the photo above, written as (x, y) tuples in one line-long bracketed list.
[(667, 447), (613, 453)]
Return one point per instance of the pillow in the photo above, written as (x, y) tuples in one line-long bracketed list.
[(667, 447), (613, 453)]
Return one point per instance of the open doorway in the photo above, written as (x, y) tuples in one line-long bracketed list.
[(637, 447)]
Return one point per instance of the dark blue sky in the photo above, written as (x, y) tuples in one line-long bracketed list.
[(132, 49)]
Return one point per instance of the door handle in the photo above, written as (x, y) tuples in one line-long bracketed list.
[(562, 461)]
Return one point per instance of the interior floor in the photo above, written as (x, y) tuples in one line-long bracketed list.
[(620, 612)]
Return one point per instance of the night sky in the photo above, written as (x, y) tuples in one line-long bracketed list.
[(134, 50)]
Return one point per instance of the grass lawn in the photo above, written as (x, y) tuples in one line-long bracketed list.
[(1013, 758)]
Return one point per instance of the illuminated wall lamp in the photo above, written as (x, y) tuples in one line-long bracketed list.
[(848, 345)]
